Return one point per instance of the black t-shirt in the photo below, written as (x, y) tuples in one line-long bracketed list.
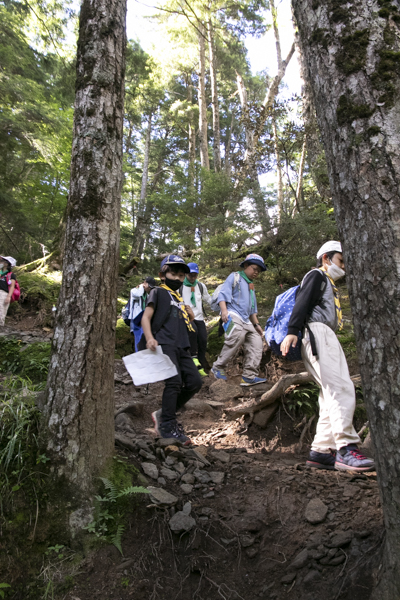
[(166, 311), (4, 287)]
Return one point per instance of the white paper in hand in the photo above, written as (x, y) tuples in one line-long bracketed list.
[(149, 366)]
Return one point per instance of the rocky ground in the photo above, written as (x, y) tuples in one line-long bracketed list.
[(238, 515)]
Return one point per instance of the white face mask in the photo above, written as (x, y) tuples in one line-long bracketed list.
[(335, 272)]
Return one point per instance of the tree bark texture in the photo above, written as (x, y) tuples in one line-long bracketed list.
[(192, 141), (278, 169), (205, 163), (353, 61), (80, 390), (214, 98)]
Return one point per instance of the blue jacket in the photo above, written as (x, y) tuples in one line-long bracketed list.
[(238, 299)]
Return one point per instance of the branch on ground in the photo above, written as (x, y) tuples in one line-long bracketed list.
[(249, 408)]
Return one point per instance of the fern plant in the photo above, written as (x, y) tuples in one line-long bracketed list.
[(110, 511)]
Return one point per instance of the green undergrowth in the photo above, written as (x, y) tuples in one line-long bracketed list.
[(124, 340), (29, 361), (39, 291), (114, 502)]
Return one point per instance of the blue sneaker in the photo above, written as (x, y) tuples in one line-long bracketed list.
[(320, 460), (349, 458), (246, 381), (219, 374)]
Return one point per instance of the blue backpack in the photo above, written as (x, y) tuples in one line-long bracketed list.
[(276, 327)]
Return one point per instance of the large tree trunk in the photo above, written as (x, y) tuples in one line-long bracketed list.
[(80, 388), (278, 169), (192, 141), (205, 163), (352, 55), (214, 98)]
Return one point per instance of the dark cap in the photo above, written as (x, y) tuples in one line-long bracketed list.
[(177, 261), (150, 281)]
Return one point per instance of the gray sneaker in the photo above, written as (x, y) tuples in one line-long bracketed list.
[(349, 458)]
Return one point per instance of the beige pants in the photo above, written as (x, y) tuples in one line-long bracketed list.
[(246, 336), (3, 307), (337, 399)]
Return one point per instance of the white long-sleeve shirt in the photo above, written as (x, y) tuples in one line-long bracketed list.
[(136, 301), (198, 309)]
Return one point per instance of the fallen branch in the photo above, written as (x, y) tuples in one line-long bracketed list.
[(247, 408)]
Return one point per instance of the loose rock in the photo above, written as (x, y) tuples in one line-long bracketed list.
[(160, 496), (188, 478), (181, 522), (150, 470), (186, 488), (316, 511), (224, 392), (220, 455), (300, 561), (168, 473), (217, 477)]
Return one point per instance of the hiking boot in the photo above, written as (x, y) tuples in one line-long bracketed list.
[(247, 381), (171, 429), (349, 458), (219, 374), (320, 460), (156, 416)]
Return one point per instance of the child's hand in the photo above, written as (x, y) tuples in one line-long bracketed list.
[(189, 312), (224, 315), (152, 344), (290, 340)]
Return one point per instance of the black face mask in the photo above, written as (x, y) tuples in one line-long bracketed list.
[(173, 284)]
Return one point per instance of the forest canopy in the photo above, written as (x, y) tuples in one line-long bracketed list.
[(200, 133)]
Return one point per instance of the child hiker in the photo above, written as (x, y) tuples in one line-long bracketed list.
[(237, 300), (7, 285), (166, 322), (194, 294), (318, 305), (137, 304)]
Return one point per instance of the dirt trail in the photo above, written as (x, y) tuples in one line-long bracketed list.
[(259, 523)]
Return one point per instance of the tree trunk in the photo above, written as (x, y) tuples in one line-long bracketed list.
[(145, 174), (192, 142), (352, 57), (278, 170), (299, 188), (227, 159), (205, 163), (80, 389), (214, 98)]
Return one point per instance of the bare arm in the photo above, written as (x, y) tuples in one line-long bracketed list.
[(224, 311), (151, 342), (10, 291), (257, 326)]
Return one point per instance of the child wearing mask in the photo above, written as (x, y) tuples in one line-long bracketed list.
[(165, 322), (335, 445), (7, 285)]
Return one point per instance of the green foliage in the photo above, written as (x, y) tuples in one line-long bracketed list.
[(21, 460), (304, 399), (31, 361), (111, 508), (3, 586), (124, 340)]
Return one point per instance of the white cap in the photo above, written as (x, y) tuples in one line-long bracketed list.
[(10, 259), (330, 246)]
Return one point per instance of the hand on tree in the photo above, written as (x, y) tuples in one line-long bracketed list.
[(224, 315), (290, 340), (151, 344)]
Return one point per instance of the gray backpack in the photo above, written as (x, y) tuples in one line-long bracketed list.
[(214, 298)]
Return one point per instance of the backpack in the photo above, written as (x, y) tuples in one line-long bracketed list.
[(276, 327), (125, 313), (214, 298), (17, 290)]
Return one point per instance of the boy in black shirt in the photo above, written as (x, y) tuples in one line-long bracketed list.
[(166, 322)]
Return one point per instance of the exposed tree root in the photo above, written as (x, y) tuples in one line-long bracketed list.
[(248, 408)]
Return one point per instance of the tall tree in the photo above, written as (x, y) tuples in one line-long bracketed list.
[(214, 96), (352, 57), (205, 163), (80, 388)]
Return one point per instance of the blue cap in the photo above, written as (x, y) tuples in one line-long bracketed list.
[(173, 259), (254, 259), (194, 267)]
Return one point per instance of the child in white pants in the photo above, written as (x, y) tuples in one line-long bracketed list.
[(318, 306)]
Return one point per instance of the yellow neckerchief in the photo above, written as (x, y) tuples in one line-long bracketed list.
[(182, 305), (336, 298)]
